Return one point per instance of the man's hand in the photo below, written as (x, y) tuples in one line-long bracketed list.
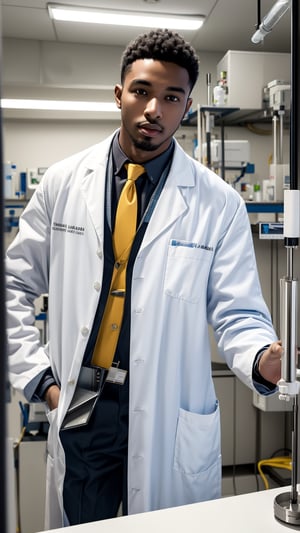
[(270, 363), (52, 396)]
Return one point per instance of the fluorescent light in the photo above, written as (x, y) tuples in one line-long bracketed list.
[(124, 18), (57, 105)]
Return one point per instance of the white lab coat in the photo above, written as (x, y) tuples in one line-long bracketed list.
[(195, 264)]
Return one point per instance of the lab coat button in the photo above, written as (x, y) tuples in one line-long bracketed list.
[(84, 331), (99, 253), (71, 382), (97, 286)]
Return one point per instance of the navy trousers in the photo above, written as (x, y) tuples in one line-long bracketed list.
[(96, 460)]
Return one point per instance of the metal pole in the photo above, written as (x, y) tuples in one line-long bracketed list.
[(287, 505), (295, 86), (3, 374), (294, 170), (294, 494), (275, 138)]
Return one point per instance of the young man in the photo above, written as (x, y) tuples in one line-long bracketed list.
[(152, 439)]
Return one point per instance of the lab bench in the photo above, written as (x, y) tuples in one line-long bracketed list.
[(248, 513)]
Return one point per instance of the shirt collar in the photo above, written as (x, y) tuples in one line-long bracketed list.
[(154, 167)]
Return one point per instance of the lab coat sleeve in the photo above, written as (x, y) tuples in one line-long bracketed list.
[(27, 265), (236, 307)]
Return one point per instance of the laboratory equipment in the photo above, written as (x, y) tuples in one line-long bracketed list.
[(279, 172), (270, 20), (287, 505), (34, 177), (271, 230), (208, 85), (248, 73), (237, 153)]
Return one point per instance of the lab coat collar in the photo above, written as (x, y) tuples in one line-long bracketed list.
[(95, 159), (181, 176)]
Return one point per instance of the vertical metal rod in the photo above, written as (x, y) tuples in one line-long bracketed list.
[(286, 506), (199, 136), (275, 134), (295, 87), (208, 83), (294, 169), (208, 138), (3, 353), (294, 494), (290, 262), (281, 114), (258, 14), (222, 150), (288, 328)]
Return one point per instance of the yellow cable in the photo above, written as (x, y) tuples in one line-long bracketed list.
[(258, 131), (23, 431), (274, 462)]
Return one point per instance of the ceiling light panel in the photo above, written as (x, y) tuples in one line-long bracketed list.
[(57, 105), (124, 18)]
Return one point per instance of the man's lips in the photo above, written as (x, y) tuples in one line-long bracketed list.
[(149, 130)]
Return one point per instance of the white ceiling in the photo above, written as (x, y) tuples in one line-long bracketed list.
[(229, 24)]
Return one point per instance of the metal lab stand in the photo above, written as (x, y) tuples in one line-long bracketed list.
[(219, 113), (287, 505)]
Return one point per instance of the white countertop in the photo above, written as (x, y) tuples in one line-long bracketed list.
[(248, 513)]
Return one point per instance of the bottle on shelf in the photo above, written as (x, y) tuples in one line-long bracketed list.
[(10, 180), (257, 192), (221, 90), (224, 84)]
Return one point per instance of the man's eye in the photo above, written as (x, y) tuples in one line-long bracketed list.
[(140, 91), (173, 98)]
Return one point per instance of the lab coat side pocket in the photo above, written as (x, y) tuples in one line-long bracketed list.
[(51, 417), (198, 441)]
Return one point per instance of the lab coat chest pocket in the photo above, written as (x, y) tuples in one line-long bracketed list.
[(187, 270), (197, 445)]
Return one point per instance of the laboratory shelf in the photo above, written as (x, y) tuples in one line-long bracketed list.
[(219, 112), (264, 207), (14, 203), (235, 116)]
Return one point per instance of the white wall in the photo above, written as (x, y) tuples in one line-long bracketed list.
[(46, 68), (36, 143)]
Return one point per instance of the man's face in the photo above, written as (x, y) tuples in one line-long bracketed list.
[(153, 100)]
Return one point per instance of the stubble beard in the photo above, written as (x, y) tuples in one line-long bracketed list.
[(145, 145)]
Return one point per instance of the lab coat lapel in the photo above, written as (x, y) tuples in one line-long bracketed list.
[(93, 184), (172, 202)]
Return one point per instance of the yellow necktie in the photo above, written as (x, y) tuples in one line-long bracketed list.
[(123, 236)]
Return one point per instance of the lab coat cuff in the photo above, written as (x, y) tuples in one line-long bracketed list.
[(40, 385), (262, 385)]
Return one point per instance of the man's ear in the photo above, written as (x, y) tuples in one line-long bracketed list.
[(188, 104), (118, 95)]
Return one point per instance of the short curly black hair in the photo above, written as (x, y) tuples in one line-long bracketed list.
[(163, 45)]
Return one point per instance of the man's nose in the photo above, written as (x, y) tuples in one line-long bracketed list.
[(153, 109)]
